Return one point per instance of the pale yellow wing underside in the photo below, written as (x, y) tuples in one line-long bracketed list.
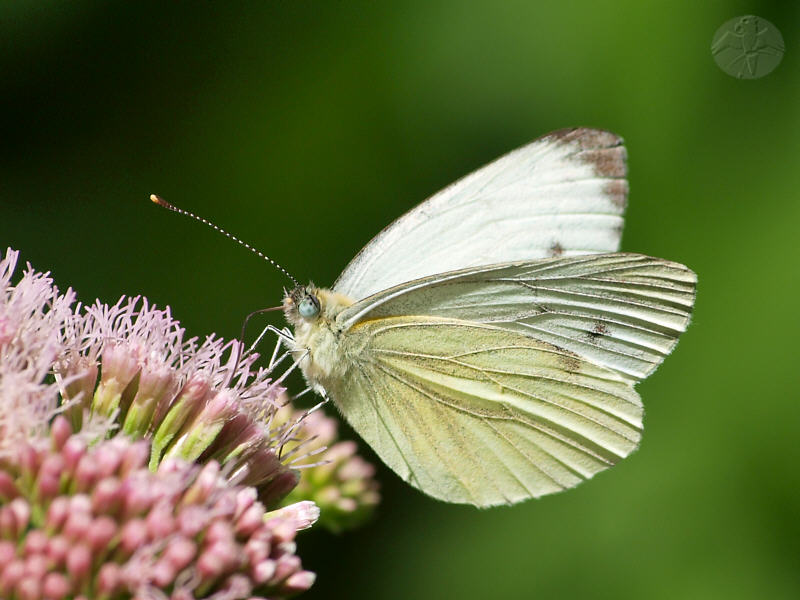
[(476, 414)]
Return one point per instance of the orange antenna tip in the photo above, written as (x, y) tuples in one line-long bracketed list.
[(159, 200)]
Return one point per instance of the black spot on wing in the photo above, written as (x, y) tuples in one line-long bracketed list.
[(556, 249), (599, 330)]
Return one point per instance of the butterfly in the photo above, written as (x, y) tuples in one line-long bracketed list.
[(486, 344)]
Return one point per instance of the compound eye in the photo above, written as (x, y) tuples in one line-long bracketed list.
[(308, 307)]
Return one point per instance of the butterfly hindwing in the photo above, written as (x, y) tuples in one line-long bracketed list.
[(476, 414)]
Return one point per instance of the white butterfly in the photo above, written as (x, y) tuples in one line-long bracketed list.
[(486, 343)]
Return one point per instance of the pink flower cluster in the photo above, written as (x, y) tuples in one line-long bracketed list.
[(31, 314), (101, 525), (343, 485), (130, 367), (138, 463)]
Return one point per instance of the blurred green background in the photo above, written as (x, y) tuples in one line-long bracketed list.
[(306, 127)]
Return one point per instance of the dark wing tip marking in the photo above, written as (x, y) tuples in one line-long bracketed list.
[(586, 137), (602, 149), (607, 162), (617, 191)]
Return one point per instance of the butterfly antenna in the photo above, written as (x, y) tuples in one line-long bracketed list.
[(161, 202)]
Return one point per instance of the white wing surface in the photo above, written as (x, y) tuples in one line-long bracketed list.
[(621, 311), (476, 414), (561, 195)]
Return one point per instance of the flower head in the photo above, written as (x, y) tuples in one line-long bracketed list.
[(94, 520), (341, 483), (131, 367), (138, 462), (31, 313)]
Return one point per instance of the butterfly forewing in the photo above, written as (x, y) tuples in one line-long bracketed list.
[(476, 414), (563, 194)]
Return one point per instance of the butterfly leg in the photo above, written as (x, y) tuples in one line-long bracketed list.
[(300, 394), (284, 336), (289, 434), (291, 368), (273, 359)]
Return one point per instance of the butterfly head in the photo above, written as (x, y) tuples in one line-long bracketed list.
[(302, 304), (308, 305)]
